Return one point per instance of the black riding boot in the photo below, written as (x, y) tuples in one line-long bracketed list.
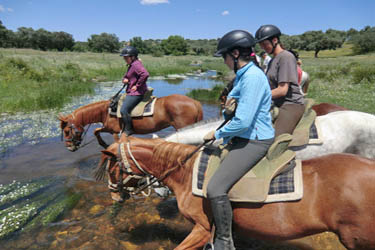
[(222, 212)]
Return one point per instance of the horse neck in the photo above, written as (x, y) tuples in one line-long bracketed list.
[(92, 113), (169, 156)]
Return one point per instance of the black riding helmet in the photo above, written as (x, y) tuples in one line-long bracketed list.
[(267, 32), (234, 39), (129, 51)]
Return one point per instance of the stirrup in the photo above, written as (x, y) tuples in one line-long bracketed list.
[(208, 246)]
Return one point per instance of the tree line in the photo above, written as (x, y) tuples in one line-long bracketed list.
[(363, 42)]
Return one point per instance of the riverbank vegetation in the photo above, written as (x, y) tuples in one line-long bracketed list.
[(34, 80)]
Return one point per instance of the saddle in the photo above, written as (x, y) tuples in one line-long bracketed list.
[(143, 108), (255, 186), (307, 130)]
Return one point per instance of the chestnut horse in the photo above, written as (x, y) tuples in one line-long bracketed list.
[(338, 195), (325, 108), (173, 110)]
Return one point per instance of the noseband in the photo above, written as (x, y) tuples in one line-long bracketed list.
[(76, 138)]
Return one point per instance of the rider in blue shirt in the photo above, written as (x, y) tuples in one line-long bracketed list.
[(249, 131)]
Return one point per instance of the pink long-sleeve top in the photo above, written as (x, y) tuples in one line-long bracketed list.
[(137, 76)]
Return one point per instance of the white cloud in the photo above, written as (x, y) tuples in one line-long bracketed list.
[(3, 9), (225, 13), (149, 2)]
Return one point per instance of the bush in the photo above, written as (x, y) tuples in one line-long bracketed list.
[(365, 73)]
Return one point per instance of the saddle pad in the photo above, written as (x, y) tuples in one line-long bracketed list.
[(144, 108), (255, 186)]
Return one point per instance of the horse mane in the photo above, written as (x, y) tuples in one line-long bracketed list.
[(200, 123), (168, 155), (89, 106), (87, 109)]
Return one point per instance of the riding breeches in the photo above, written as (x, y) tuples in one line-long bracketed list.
[(288, 118), (243, 155)]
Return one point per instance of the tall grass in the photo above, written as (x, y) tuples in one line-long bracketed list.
[(348, 81)]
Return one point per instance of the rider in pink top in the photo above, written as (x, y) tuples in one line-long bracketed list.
[(135, 79)]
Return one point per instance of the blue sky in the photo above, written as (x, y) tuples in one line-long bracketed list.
[(191, 19)]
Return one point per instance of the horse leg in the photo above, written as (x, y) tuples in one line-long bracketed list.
[(197, 238), (99, 138)]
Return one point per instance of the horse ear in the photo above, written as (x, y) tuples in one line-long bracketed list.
[(62, 118), (108, 153)]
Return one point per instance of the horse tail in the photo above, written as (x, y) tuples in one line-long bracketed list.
[(198, 105)]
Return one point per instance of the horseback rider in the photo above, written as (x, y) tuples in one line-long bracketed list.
[(249, 130), (135, 79), (283, 77)]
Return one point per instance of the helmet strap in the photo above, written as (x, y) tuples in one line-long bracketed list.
[(273, 44), (235, 62)]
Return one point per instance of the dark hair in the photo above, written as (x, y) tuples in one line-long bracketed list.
[(295, 53)]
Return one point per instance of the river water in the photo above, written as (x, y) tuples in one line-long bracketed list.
[(31, 150)]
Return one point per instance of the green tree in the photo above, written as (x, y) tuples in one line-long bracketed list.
[(364, 40), (6, 37), (24, 37), (42, 39), (317, 41), (174, 45), (291, 42), (62, 40), (139, 44), (104, 43)]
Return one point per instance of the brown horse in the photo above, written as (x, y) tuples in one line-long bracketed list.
[(173, 110), (338, 195), (325, 108)]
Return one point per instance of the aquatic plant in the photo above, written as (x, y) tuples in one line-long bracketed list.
[(31, 204)]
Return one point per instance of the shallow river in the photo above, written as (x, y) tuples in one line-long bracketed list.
[(65, 208)]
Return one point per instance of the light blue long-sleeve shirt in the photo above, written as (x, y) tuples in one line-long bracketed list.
[(252, 119)]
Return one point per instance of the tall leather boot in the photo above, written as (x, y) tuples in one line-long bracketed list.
[(222, 212)]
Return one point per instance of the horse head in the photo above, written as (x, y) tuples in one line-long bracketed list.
[(126, 166), (72, 133)]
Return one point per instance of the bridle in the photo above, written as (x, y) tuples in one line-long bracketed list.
[(77, 134), (124, 167)]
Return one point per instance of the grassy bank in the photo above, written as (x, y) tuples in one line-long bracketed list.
[(34, 80)]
